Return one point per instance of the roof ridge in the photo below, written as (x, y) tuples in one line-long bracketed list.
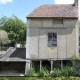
[(52, 4)]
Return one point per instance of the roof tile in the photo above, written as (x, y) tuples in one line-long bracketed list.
[(58, 10)]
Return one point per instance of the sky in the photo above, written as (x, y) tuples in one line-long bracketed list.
[(21, 8)]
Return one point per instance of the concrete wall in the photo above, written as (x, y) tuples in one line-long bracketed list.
[(67, 41)]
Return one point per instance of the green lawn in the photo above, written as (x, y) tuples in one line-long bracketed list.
[(40, 78)]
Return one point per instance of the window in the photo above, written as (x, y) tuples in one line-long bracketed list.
[(52, 39)]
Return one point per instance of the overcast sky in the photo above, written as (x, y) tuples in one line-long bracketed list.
[(21, 8)]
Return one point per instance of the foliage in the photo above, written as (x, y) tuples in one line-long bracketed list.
[(66, 78), (57, 72), (66, 71), (76, 65), (74, 57), (31, 72), (1, 28), (44, 72), (16, 29), (40, 78), (3, 20)]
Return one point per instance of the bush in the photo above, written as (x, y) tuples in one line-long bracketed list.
[(31, 72), (66, 71), (43, 72), (76, 65), (57, 72)]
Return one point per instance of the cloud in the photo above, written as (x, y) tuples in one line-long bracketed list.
[(64, 1), (5, 1), (67, 2)]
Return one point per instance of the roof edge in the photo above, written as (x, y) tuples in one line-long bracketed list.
[(52, 17)]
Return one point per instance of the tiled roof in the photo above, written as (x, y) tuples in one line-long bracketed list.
[(58, 10)]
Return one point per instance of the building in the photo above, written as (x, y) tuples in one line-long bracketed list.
[(12, 59), (52, 40), (12, 63), (52, 35)]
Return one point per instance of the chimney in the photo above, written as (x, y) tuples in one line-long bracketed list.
[(75, 3)]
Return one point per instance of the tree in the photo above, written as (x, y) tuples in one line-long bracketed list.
[(16, 29), (2, 22)]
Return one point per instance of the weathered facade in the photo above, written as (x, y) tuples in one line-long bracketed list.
[(52, 33), (66, 39)]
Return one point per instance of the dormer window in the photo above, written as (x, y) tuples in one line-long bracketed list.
[(52, 39)]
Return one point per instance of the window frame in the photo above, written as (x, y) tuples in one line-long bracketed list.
[(50, 44)]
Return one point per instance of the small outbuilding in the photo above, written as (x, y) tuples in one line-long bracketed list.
[(13, 61)]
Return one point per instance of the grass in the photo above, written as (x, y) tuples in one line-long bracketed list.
[(40, 78)]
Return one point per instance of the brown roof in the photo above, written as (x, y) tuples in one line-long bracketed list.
[(58, 10)]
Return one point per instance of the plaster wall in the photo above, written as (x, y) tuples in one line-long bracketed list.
[(33, 43), (67, 39)]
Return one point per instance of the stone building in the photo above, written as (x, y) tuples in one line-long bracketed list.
[(52, 35)]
